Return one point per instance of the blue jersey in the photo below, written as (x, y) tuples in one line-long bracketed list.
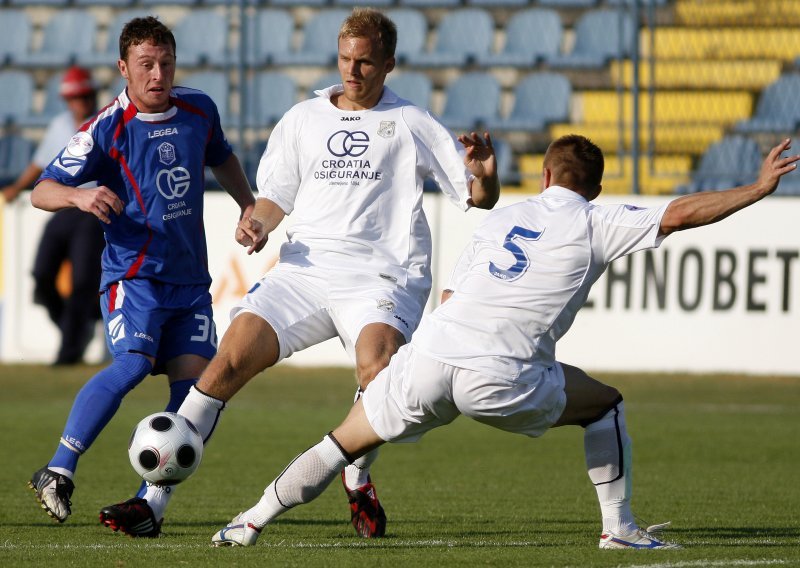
[(155, 163)]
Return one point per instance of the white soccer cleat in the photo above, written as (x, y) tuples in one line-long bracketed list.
[(239, 532), (639, 538)]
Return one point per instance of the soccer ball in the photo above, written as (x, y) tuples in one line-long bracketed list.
[(165, 448)]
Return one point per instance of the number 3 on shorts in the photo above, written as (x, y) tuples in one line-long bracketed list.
[(207, 331)]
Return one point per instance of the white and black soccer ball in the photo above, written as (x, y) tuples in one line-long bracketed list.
[(165, 448)]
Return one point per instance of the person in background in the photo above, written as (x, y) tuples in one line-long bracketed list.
[(70, 235)]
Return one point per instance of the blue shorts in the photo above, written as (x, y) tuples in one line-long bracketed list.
[(159, 320)]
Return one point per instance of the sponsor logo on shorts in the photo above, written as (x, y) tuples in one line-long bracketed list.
[(144, 336), (385, 305), (116, 329)]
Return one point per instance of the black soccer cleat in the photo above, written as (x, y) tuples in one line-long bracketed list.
[(53, 491), (366, 513), (134, 517)]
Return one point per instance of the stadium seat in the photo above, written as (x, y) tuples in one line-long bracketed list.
[(412, 32), (216, 85), (531, 36), (600, 35), (319, 45), (202, 38), (68, 35), (424, 4), (269, 95), (666, 138), (715, 43), (16, 92), (498, 3), (15, 155), (372, 3), (505, 162), (778, 108), (539, 99), (167, 2), (15, 35), (298, 3), (325, 81), (461, 37), (54, 3), (53, 103), (471, 101), (413, 86), (268, 33), (568, 3), (110, 53), (700, 74), (109, 3), (734, 160)]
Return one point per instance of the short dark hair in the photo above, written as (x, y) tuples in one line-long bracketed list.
[(575, 162), (141, 30), (369, 23)]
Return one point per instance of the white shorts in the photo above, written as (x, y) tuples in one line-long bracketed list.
[(306, 305), (415, 394)]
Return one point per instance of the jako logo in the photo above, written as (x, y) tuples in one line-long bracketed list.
[(344, 143)]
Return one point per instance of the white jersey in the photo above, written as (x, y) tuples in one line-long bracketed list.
[(524, 276), (352, 181)]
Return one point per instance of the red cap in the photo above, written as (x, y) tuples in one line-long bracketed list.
[(76, 82)]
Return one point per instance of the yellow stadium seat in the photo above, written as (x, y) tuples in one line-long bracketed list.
[(738, 12), (781, 43), (603, 107), (677, 139), (693, 74), (658, 176)]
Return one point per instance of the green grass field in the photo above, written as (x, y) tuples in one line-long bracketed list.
[(718, 456)]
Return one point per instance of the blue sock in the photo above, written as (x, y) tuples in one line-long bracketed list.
[(177, 392), (95, 404)]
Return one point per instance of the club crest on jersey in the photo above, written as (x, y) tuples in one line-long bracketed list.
[(385, 305), (80, 144), (166, 153), (386, 129)]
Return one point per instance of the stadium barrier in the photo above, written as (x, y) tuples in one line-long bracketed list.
[(724, 298)]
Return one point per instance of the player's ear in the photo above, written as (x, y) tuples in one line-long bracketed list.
[(390, 63), (547, 177), (123, 68), (594, 193)]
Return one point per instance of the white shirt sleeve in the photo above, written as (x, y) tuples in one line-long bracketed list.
[(626, 228), (278, 176)]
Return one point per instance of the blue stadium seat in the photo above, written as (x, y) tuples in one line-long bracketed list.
[(471, 101), (325, 81), (53, 103), (413, 86), (216, 85), (167, 2), (298, 3), (778, 109), (498, 3), (412, 32), (734, 160), (16, 92), (15, 155), (68, 35), (202, 39), (539, 99), (110, 53), (600, 35), (268, 34), (531, 36), (56, 3), (461, 36), (110, 3), (269, 95), (506, 170), (569, 3), (15, 35), (424, 4), (371, 3), (319, 45)]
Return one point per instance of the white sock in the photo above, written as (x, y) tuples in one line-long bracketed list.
[(302, 481), (158, 496), (203, 411), (608, 460), (357, 473), (62, 471)]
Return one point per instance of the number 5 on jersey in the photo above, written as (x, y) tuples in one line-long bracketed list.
[(518, 269)]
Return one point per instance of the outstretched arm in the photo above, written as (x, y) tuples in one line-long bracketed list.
[(99, 201), (254, 229), (481, 161), (230, 176), (711, 206)]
